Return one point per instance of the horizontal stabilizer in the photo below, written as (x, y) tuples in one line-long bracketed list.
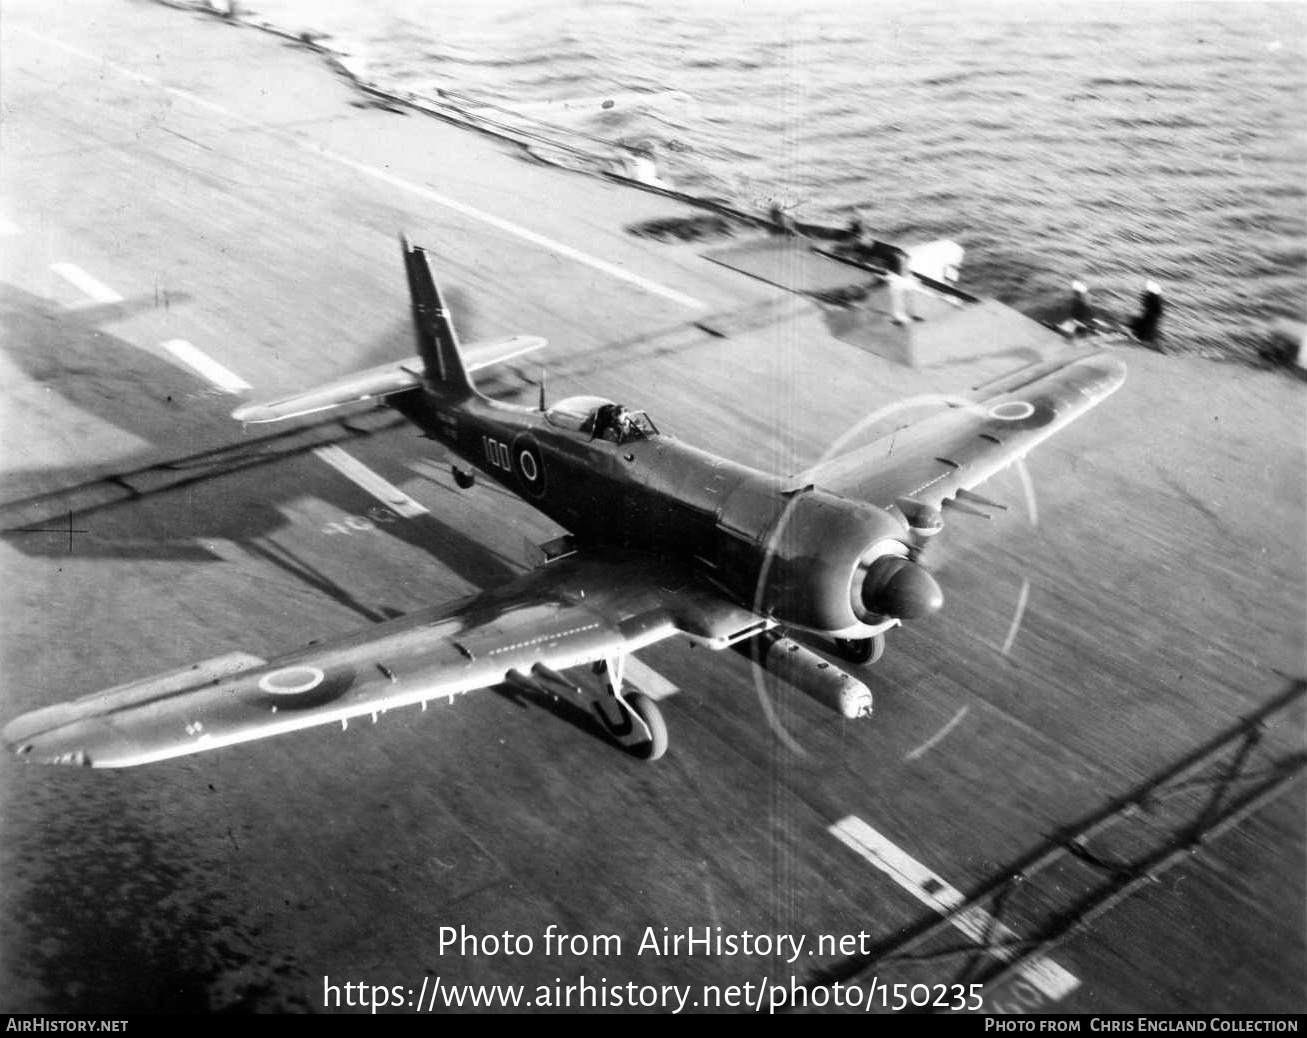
[(480, 355), (381, 381)]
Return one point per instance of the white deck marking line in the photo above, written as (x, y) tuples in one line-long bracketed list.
[(385, 492), (649, 681), (346, 464), (556, 247), (392, 180), (1022, 598), (935, 739), (1046, 976), (78, 278), (197, 360)]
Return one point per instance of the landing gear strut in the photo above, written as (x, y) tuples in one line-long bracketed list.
[(639, 727), (861, 650)]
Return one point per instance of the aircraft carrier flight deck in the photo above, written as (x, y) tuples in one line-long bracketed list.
[(1081, 785)]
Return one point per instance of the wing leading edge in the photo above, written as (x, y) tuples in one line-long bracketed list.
[(579, 610), (929, 461)]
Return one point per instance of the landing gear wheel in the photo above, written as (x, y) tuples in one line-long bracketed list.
[(465, 479), (647, 710), (862, 650)]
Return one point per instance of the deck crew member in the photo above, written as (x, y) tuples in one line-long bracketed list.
[(854, 229), (782, 222), (1144, 326), (903, 288), (641, 165), (1080, 316)]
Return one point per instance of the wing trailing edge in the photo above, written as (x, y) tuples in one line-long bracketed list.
[(579, 610), (933, 459)]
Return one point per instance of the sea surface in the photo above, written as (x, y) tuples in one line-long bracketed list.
[(1107, 142)]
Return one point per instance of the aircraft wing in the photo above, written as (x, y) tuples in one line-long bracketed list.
[(580, 609), (381, 381), (928, 462)]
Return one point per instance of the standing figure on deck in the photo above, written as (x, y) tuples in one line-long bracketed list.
[(902, 288), (855, 228), (1144, 326), (1080, 314), (641, 165), (782, 222)]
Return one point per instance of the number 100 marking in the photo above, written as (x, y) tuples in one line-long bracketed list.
[(497, 453)]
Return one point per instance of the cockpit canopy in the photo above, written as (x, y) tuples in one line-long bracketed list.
[(600, 419)]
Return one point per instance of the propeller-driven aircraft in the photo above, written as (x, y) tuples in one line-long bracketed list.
[(664, 539)]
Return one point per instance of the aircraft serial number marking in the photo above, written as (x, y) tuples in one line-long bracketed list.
[(497, 453)]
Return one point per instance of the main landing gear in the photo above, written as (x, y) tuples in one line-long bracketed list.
[(861, 650), (632, 718), (652, 718)]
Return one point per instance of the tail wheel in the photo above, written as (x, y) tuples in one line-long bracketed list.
[(647, 710), (862, 650)]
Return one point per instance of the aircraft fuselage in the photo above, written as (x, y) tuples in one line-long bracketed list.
[(800, 556)]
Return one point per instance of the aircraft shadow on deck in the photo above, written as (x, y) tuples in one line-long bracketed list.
[(249, 509), (108, 510), (68, 351)]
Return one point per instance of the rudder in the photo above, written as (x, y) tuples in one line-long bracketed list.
[(436, 338)]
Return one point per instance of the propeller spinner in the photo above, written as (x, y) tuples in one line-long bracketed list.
[(901, 588)]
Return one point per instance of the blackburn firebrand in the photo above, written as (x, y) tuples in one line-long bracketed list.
[(664, 539)]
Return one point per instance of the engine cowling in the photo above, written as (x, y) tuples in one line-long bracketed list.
[(829, 564)]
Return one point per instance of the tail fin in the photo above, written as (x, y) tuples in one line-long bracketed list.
[(437, 340)]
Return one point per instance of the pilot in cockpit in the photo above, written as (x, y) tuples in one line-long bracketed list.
[(612, 422)]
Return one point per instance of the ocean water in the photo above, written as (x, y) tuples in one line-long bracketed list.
[(1107, 142)]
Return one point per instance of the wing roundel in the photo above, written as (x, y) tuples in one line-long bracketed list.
[(578, 610), (934, 460)]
